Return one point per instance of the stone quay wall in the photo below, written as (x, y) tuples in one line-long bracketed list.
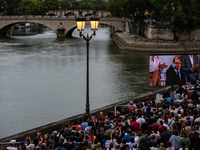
[(58, 125), (163, 32), (132, 42)]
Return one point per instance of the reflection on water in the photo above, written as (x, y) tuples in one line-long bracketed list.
[(43, 79)]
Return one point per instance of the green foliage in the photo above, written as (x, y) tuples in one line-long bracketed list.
[(31, 7), (52, 4), (89, 4), (182, 15), (190, 9), (115, 7), (132, 9), (9, 6), (92, 4), (64, 4), (75, 4)]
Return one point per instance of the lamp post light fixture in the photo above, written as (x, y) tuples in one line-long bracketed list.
[(94, 21)]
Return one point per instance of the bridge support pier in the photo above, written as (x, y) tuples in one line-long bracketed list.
[(61, 33)]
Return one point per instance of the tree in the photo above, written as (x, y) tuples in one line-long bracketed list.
[(90, 4), (132, 9), (142, 7), (181, 15), (3, 6), (102, 4), (9, 6), (52, 4), (191, 13), (64, 4), (115, 7), (75, 4), (31, 7), (169, 12)]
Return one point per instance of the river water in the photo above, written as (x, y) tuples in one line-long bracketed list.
[(43, 79)]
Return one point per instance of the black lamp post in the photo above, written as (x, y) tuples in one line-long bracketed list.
[(94, 21)]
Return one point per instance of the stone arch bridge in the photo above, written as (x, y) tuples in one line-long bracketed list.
[(62, 26)]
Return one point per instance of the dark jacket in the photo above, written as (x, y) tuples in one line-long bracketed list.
[(173, 78), (165, 137)]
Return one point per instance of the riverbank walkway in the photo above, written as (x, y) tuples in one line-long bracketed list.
[(132, 42), (141, 125)]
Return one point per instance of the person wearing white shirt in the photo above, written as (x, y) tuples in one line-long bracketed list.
[(154, 70), (12, 145), (140, 120), (134, 146), (166, 125), (29, 145), (171, 122), (197, 121)]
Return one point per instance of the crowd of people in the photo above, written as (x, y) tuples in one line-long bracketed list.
[(143, 125)]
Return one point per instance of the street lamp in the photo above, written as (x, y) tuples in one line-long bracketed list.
[(94, 21)]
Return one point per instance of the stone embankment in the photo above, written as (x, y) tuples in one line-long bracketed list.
[(131, 42), (49, 128)]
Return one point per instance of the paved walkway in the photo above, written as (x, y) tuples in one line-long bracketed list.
[(130, 42)]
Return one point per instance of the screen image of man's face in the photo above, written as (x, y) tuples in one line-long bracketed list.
[(178, 63)]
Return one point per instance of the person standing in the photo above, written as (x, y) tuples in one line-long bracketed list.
[(144, 139), (174, 140), (135, 124), (184, 139), (165, 136)]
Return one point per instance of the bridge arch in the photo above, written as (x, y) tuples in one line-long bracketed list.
[(6, 27), (70, 14), (117, 26), (62, 26)]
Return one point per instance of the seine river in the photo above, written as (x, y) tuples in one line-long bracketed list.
[(43, 79)]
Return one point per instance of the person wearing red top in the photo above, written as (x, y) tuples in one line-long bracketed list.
[(101, 116), (135, 124), (154, 124), (119, 125), (92, 137), (76, 124), (132, 106), (161, 128), (189, 95)]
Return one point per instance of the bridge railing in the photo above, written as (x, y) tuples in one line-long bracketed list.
[(36, 17)]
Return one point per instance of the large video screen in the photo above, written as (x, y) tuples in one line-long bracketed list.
[(173, 69)]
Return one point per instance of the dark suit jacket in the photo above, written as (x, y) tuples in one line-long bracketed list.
[(173, 78), (186, 63)]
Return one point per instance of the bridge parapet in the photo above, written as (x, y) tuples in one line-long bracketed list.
[(58, 17), (100, 13)]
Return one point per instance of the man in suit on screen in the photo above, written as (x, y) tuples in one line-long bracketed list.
[(174, 74), (190, 65)]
